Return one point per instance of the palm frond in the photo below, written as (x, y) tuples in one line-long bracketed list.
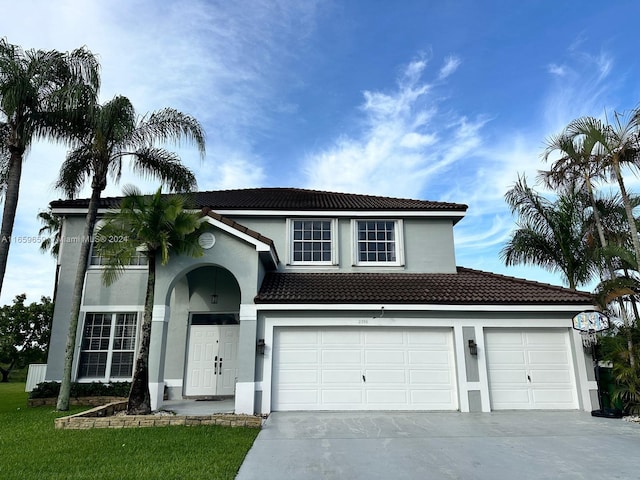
[(169, 125), (75, 171), (159, 163)]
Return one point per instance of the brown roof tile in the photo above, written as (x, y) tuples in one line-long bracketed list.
[(466, 287), (288, 199)]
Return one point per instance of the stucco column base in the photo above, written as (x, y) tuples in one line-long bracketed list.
[(156, 390), (245, 395)]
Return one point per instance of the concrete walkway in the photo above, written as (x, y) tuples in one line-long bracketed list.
[(467, 446)]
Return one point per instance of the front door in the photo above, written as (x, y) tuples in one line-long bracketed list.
[(212, 362)]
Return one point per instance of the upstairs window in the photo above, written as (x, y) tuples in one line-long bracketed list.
[(378, 242), (312, 241)]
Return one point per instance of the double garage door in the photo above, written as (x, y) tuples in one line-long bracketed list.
[(374, 368), (363, 369)]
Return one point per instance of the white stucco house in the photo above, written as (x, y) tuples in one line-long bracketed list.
[(311, 300)]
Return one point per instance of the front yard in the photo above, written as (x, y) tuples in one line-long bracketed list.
[(30, 447)]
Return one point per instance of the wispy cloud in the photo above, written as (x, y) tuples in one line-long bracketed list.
[(407, 139), (451, 65), (582, 85)]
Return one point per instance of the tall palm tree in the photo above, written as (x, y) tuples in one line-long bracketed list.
[(549, 234), (116, 133), (617, 144), (159, 226), (41, 96)]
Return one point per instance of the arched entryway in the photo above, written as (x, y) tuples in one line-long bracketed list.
[(203, 334)]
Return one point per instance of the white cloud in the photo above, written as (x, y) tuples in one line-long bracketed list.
[(407, 141), (451, 65), (559, 70)]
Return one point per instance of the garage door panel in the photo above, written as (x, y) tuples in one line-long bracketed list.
[(440, 337), (340, 357), (384, 357), (299, 356), (544, 339), (330, 338), (506, 357), (348, 377), (364, 369), (331, 397), (298, 376), (383, 338), (550, 376), (508, 376), (430, 377), (432, 399), (375, 376), (299, 396), (548, 357), (434, 358), (537, 374)]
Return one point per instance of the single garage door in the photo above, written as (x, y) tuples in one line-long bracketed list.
[(530, 369), (363, 369)]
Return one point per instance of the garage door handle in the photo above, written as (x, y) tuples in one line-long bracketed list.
[(364, 379), (529, 377)]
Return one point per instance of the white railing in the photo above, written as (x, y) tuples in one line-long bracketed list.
[(35, 375)]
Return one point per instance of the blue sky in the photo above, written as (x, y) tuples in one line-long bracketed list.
[(441, 100)]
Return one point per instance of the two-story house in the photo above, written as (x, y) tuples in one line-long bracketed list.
[(311, 300)]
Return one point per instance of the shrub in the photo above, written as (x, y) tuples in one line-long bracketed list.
[(93, 389)]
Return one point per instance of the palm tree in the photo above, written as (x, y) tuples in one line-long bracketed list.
[(549, 234), (159, 226), (41, 96), (50, 232), (115, 133), (617, 145)]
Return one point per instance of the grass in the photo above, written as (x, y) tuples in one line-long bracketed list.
[(30, 447)]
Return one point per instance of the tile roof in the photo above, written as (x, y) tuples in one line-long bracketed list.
[(466, 287), (288, 199)]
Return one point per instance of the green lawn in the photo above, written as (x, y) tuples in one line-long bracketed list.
[(30, 447)]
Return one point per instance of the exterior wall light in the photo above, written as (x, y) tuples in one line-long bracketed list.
[(473, 347), (260, 346)]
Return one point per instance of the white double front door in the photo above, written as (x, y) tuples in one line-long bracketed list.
[(212, 363)]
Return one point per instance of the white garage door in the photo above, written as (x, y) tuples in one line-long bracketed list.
[(363, 369), (530, 369)]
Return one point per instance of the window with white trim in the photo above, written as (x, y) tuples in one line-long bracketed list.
[(378, 242), (108, 345), (312, 241), (95, 260)]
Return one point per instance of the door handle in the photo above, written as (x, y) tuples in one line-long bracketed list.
[(215, 366), (220, 367), (529, 378)]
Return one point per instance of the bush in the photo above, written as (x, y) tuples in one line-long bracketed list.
[(93, 389)]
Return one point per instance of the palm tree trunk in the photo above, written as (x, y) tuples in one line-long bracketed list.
[(10, 206), (636, 245), (139, 397), (83, 261), (629, 210)]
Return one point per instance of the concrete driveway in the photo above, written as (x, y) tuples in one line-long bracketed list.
[(407, 445)]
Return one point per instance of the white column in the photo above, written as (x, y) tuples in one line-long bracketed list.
[(157, 348), (482, 370)]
